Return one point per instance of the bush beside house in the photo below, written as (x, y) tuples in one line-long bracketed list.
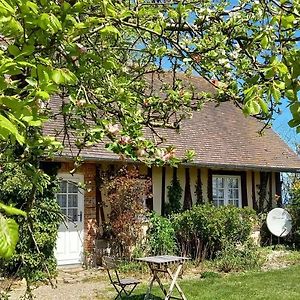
[(203, 230), (34, 256)]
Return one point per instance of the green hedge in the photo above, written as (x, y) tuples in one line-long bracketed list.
[(293, 239), (202, 231)]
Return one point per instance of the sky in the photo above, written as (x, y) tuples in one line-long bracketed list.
[(280, 125)]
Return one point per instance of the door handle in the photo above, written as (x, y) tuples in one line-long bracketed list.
[(80, 216)]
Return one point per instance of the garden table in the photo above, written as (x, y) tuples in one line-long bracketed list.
[(162, 264)]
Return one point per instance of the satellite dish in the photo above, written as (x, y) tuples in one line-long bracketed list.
[(279, 222)]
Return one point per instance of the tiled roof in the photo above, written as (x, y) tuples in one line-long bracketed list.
[(221, 136)]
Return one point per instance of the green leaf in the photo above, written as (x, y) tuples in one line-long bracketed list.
[(8, 125), (10, 210), (43, 73), (275, 93), (9, 236), (295, 109), (109, 64), (42, 95), (265, 42), (61, 76), (110, 30), (57, 76), (294, 123), (27, 50), (5, 7), (68, 76), (13, 50), (32, 82), (252, 107), (44, 21), (33, 7), (269, 72), (54, 23), (288, 21), (290, 94), (283, 69), (263, 105)]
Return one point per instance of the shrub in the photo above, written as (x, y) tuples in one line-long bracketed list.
[(294, 209), (239, 258), (160, 236), (28, 261), (201, 231)]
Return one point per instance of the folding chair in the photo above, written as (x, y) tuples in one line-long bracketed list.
[(119, 284)]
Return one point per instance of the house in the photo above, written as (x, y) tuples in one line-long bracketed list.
[(233, 165)]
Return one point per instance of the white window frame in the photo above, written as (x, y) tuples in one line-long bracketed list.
[(226, 188), (75, 179)]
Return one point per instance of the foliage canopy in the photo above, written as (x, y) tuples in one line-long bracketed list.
[(94, 55)]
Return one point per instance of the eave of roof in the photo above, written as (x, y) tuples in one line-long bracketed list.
[(93, 159)]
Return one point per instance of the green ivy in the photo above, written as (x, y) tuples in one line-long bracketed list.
[(174, 196)]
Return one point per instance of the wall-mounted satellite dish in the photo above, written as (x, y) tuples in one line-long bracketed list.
[(279, 222)]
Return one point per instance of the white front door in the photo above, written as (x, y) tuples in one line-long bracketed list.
[(69, 245)]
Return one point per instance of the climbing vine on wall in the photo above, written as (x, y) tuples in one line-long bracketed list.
[(126, 192), (174, 195), (198, 188), (262, 192)]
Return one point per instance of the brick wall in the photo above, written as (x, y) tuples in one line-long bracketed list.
[(90, 223)]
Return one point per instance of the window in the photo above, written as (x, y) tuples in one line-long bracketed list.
[(227, 190), (67, 198)]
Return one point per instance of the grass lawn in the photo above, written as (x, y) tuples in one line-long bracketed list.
[(273, 285)]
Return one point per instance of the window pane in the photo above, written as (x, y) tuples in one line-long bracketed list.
[(235, 183), (63, 186), (62, 200), (221, 193), (63, 211), (73, 214), (72, 200), (220, 182), (230, 183), (236, 193), (233, 194), (214, 183), (72, 188)]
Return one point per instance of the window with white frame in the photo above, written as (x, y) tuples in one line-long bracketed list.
[(67, 198), (227, 190)]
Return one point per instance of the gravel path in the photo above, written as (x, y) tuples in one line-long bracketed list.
[(77, 284), (76, 291)]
